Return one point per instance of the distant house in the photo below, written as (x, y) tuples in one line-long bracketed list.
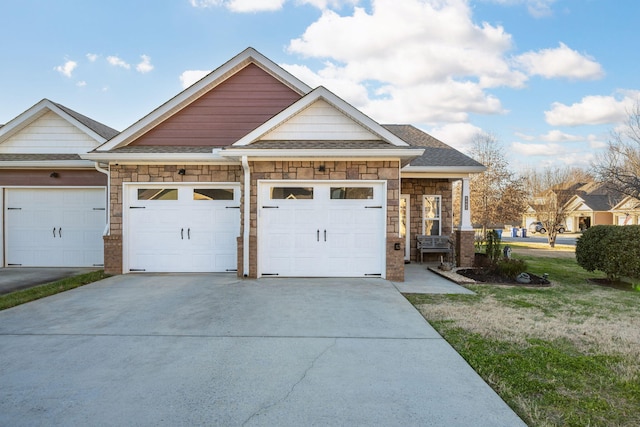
[(627, 212), (587, 204)]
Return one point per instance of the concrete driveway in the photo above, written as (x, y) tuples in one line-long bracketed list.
[(207, 349)]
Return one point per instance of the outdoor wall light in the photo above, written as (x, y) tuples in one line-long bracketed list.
[(54, 175), (321, 168), (181, 172)]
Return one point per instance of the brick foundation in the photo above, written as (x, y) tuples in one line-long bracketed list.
[(113, 254), (465, 249), (395, 259)]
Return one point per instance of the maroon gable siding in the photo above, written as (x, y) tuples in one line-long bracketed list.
[(226, 113)]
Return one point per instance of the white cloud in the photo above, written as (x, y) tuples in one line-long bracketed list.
[(329, 4), (592, 110), (560, 62), (545, 150), (537, 8), (189, 77), (419, 61), (92, 57), (117, 62), (457, 135), (559, 136), (81, 83), (241, 6), (145, 65), (67, 68)]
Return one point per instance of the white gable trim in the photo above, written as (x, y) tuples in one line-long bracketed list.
[(38, 110), (193, 92), (333, 100)]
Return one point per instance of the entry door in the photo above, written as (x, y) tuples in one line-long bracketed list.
[(182, 228), (321, 230), (54, 227)]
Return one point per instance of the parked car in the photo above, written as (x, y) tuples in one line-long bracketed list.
[(539, 227)]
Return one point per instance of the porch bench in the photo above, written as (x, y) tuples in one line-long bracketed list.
[(434, 245)]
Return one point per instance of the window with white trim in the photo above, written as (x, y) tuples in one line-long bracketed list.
[(431, 215)]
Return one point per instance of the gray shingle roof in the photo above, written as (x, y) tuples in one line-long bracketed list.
[(101, 129), (436, 152), (162, 149), (317, 145), (37, 157)]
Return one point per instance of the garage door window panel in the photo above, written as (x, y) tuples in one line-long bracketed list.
[(351, 193), (157, 194), (209, 194), (292, 193)]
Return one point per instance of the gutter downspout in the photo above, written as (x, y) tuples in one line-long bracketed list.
[(246, 216), (107, 228)]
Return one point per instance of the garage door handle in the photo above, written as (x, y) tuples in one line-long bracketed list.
[(60, 232), (325, 235), (54, 232), (182, 234), (189, 233), (318, 236)]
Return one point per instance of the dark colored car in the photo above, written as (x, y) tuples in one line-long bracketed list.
[(539, 227)]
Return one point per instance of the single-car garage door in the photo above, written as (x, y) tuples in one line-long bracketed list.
[(54, 227), (183, 228), (310, 229)]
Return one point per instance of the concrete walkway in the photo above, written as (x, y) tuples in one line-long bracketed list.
[(207, 349), (418, 279)]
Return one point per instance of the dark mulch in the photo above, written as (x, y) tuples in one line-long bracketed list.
[(486, 276)]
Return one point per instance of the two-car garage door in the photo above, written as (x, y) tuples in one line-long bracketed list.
[(305, 229)]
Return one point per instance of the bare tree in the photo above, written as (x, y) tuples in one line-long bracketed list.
[(497, 196), (619, 165), (550, 190)]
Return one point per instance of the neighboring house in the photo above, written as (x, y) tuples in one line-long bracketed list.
[(251, 170), (53, 202), (627, 212), (589, 204)]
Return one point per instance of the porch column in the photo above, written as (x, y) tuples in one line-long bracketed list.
[(465, 207), (465, 234)]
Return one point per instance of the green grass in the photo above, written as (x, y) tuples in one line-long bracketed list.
[(566, 355), (26, 295)]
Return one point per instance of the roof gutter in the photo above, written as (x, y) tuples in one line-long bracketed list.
[(107, 228), (45, 164)]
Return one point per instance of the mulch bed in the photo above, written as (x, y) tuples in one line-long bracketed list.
[(484, 276)]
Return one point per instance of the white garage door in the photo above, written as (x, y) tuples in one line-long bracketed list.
[(54, 227), (183, 228), (322, 230)]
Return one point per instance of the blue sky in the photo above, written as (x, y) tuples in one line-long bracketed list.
[(549, 78)]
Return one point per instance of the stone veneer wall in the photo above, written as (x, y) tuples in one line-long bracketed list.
[(416, 188), (154, 174), (333, 170)]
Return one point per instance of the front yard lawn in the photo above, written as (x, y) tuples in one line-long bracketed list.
[(26, 295), (567, 355)]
